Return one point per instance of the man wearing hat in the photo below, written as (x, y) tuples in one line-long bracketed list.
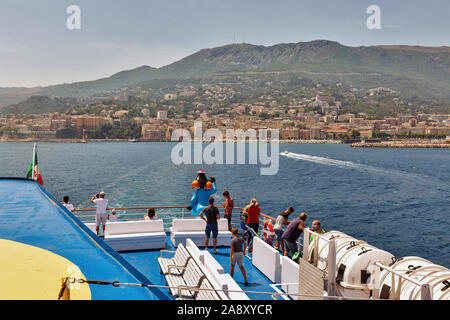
[(100, 213)]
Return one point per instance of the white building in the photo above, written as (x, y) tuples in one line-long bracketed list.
[(162, 115), (170, 96)]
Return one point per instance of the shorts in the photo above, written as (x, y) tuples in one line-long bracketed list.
[(211, 228), (238, 257), (100, 218), (279, 234), (254, 226), (290, 247)]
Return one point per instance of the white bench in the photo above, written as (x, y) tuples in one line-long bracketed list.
[(214, 272), (187, 280), (135, 235), (267, 259), (194, 229), (212, 263), (195, 278), (92, 227), (180, 259), (233, 286)]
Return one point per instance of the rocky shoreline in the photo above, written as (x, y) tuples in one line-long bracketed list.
[(443, 145)]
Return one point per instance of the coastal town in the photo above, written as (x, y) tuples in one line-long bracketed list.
[(127, 114)]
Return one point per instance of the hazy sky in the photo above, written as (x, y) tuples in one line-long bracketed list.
[(36, 47)]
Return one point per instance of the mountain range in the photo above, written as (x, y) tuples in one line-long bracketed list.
[(412, 70)]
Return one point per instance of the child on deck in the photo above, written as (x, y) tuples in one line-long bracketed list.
[(237, 254), (245, 232), (113, 216)]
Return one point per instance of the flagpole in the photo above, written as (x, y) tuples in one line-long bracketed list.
[(34, 162)]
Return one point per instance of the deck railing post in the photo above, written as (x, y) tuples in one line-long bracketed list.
[(331, 290), (305, 244), (427, 292), (316, 252), (393, 287)]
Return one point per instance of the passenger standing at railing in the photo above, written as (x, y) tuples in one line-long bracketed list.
[(212, 215), (151, 214), (292, 233), (67, 204), (100, 213), (244, 228), (282, 220), (253, 212), (237, 254), (317, 229), (229, 205)]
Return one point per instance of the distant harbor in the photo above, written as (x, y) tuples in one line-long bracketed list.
[(299, 141), (356, 143)]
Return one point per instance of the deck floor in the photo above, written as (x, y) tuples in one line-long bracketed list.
[(146, 262)]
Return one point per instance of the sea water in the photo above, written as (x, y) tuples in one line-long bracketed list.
[(395, 199)]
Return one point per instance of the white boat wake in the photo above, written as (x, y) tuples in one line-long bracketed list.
[(353, 165), (326, 161)]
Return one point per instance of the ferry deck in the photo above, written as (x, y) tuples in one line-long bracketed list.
[(46, 249), (30, 216)]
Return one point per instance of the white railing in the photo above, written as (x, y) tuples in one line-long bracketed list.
[(88, 215), (167, 214), (426, 289), (331, 258), (280, 293)]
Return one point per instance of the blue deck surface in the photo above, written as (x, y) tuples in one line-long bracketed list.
[(29, 215), (147, 263)]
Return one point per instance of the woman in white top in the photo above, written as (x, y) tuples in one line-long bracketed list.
[(151, 214), (282, 219)]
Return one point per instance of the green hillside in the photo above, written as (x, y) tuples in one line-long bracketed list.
[(412, 70), (41, 104)]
